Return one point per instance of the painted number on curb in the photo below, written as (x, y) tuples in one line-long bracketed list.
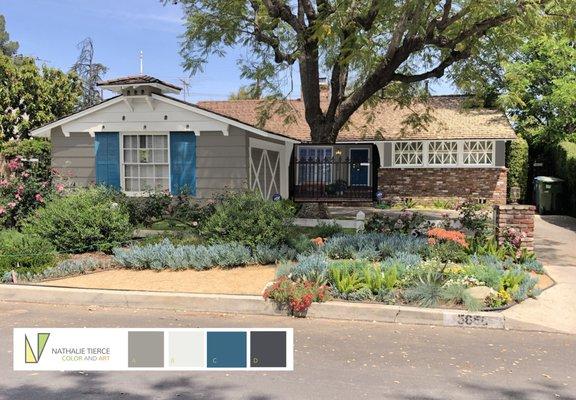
[(466, 320), (471, 320)]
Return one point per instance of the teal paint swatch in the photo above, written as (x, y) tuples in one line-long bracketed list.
[(226, 350)]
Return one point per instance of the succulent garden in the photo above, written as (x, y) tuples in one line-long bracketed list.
[(51, 231)]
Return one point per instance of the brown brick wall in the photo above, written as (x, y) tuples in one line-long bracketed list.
[(520, 217), (428, 184)]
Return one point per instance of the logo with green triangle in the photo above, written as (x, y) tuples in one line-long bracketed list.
[(32, 357)]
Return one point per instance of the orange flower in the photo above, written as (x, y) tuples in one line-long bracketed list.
[(439, 234)]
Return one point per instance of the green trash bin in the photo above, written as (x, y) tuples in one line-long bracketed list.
[(548, 194)]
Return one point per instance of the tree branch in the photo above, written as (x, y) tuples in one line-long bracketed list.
[(436, 72)]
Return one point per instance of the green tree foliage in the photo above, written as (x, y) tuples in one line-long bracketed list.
[(517, 162), (250, 92), (565, 160), (365, 48), (7, 47), (31, 96), (540, 89)]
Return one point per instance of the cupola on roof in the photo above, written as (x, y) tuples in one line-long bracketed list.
[(120, 85)]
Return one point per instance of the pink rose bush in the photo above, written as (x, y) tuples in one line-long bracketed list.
[(24, 188)]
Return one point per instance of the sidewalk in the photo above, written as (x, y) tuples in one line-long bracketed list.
[(555, 308)]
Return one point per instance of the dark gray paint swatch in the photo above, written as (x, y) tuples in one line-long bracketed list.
[(268, 349), (145, 349)]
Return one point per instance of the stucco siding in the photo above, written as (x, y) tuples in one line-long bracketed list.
[(73, 157)]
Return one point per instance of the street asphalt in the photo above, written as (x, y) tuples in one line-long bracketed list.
[(333, 360)]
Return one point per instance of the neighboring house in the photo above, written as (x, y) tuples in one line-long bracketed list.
[(144, 139)]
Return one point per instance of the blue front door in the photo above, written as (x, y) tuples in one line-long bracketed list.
[(359, 167)]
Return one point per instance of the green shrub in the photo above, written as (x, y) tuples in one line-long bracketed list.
[(565, 163), (326, 230), (407, 222), (517, 162), (25, 254), (488, 274), (449, 251), (345, 276), (458, 295), (85, 220), (476, 219), (147, 209), (312, 267), (166, 255), (428, 290), (265, 254), (249, 219)]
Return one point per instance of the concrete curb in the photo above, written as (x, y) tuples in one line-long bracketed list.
[(239, 304)]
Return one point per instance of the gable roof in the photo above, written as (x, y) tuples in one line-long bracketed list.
[(44, 131), (451, 119)]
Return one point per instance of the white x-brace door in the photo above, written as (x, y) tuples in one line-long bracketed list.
[(267, 167)]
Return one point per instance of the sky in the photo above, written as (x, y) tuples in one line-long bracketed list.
[(50, 30)]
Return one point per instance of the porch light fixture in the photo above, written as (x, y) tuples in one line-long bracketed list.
[(338, 152)]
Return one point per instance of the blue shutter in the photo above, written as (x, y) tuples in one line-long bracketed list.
[(183, 162), (107, 148)]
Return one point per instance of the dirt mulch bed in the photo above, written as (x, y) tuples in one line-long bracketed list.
[(241, 280)]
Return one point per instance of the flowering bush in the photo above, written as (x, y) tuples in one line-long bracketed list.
[(436, 235), (25, 188), (512, 239), (298, 296), (407, 222)]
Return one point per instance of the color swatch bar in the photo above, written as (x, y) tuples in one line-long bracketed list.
[(120, 349)]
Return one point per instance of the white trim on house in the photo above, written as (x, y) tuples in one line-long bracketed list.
[(219, 123), (264, 162), (426, 154), (44, 131)]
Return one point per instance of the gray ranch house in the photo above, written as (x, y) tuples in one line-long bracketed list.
[(144, 139)]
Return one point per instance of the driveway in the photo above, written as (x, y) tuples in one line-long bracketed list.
[(555, 308)]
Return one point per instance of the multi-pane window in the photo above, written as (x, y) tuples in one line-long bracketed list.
[(478, 152), (443, 153), (408, 153), (145, 163), (314, 164)]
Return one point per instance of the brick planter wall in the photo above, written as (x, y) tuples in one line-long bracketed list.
[(425, 185), (516, 216)]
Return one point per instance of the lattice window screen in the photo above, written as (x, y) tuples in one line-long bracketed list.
[(443, 153), (408, 153), (479, 152)]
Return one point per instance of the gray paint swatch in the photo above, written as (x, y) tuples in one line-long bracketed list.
[(145, 349), (268, 349)]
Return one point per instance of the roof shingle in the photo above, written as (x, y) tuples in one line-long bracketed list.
[(385, 121)]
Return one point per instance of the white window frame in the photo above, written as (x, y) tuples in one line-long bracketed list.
[(460, 156), (493, 154), (122, 165), (314, 147), (430, 155), (424, 149)]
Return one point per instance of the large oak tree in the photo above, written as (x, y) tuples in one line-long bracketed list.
[(365, 48)]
